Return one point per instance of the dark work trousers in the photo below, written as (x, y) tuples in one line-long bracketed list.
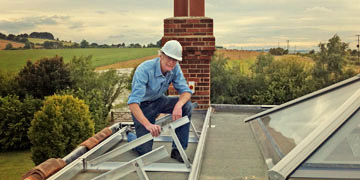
[(151, 110)]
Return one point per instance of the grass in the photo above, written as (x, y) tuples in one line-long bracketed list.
[(126, 64), (13, 165), (41, 41), (14, 60)]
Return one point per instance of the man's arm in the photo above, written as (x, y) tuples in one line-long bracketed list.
[(154, 129), (177, 112)]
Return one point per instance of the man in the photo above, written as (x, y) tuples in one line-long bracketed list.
[(147, 100)]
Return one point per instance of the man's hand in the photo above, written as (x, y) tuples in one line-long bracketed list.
[(177, 112), (154, 129)]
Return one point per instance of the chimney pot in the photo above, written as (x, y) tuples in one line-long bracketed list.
[(181, 8)]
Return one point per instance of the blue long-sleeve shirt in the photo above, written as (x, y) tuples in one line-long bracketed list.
[(149, 83)]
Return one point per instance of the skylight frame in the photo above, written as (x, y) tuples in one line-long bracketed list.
[(314, 140), (289, 163)]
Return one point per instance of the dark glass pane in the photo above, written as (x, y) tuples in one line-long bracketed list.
[(289, 126)]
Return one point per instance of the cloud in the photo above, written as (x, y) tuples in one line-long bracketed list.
[(26, 23), (120, 36), (244, 21), (318, 9), (101, 12), (78, 25), (237, 23)]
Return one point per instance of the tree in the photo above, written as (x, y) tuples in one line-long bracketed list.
[(94, 45), (2, 36), (9, 46), (329, 62), (282, 81), (223, 81), (59, 127), (75, 45), (28, 45), (15, 121), (22, 39), (278, 51), (270, 81), (8, 83), (98, 90), (354, 52), (84, 44), (11, 37), (42, 35), (23, 35), (137, 45), (52, 45), (44, 77), (151, 45), (158, 43), (262, 61)]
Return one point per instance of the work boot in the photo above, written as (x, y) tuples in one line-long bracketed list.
[(175, 154)]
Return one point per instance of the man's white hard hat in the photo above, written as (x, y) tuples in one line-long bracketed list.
[(173, 49)]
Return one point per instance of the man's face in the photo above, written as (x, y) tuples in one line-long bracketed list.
[(167, 63)]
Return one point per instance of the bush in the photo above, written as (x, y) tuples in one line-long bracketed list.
[(223, 82), (282, 81), (44, 77), (94, 99), (8, 83), (278, 51), (28, 45), (15, 121), (271, 81), (62, 124), (9, 46), (53, 45)]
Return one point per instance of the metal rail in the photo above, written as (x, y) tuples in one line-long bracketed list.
[(195, 170), (77, 165), (137, 165), (128, 146)]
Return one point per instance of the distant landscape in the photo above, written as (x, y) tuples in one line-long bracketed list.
[(237, 76), (16, 50), (14, 60)]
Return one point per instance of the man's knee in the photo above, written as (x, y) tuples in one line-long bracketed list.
[(187, 109)]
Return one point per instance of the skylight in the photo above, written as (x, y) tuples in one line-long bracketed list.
[(282, 131)]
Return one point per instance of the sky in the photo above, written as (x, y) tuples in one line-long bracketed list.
[(238, 24)]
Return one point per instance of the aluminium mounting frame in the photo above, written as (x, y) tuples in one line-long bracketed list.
[(80, 163)]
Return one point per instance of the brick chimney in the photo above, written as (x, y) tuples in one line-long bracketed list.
[(194, 31)]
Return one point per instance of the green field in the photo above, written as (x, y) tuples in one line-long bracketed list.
[(14, 60), (41, 41), (13, 165)]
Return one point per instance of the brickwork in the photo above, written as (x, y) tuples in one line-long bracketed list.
[(195, 34), (181, 8)]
